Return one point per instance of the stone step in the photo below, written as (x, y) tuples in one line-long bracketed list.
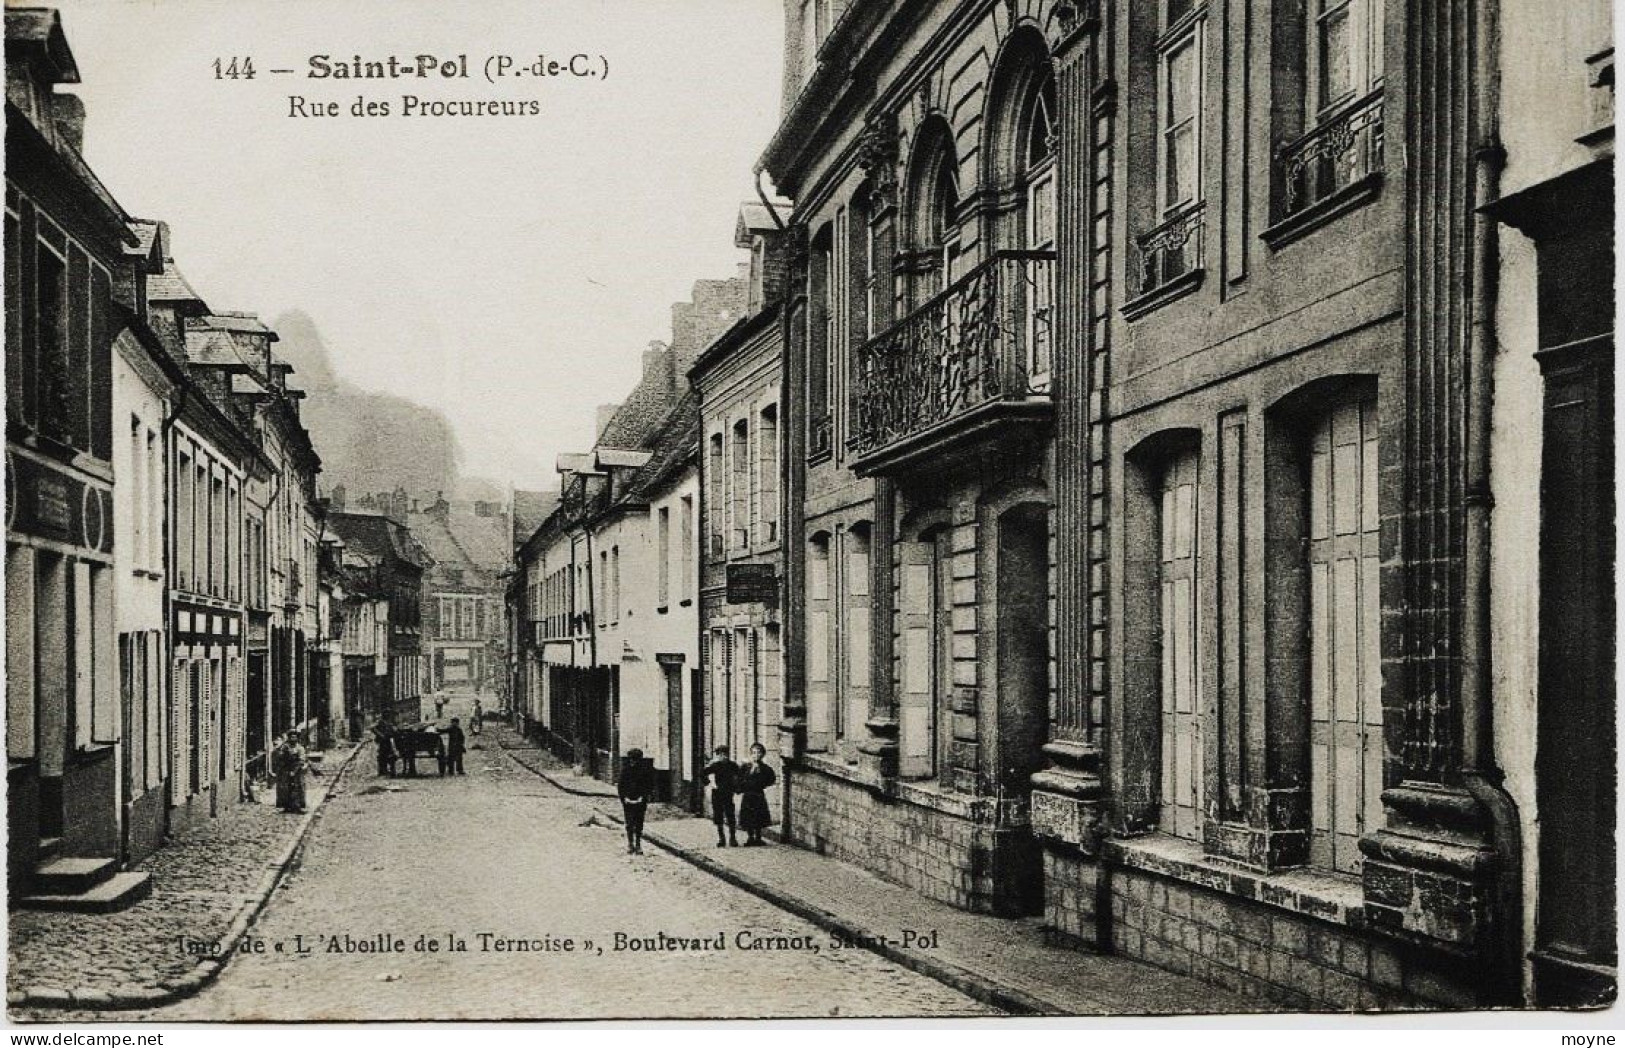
[(117, 892), (69, 876)]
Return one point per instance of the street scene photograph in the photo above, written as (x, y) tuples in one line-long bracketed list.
[(827, 510)]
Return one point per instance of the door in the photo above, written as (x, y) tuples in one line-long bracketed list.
[(673, 672), (1575, 952)]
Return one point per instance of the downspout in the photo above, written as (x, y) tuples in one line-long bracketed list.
[(1481, 775), (168, 710)]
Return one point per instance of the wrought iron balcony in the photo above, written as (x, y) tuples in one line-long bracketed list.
[(976, 354), (1340, 153), (1171, 252)]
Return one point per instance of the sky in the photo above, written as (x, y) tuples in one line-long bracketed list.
[(507, 270)]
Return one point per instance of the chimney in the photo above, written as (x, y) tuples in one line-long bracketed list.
[(605, 413), (69, 113), (657, 366)]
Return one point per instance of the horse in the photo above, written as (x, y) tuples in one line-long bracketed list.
[(419, 740)]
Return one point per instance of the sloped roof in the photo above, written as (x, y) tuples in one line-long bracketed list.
[(530, 508), (171, 286), (375, 537), (43, 26), (673, 447)]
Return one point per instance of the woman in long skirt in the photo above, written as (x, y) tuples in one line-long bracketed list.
[(754, 779), (290, 765)]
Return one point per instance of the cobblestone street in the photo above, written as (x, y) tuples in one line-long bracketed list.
[(504, 854)]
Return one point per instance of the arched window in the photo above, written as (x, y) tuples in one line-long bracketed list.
[(944, 215), (1039, 224)]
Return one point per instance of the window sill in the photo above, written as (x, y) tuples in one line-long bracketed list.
[(1163, 294), (1327, 896), (1323, 212)]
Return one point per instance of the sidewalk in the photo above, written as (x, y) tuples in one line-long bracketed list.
[(208, 885), (1003, 962)]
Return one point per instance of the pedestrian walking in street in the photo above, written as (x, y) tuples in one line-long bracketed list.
[(439, 707), (722, 774), (383, 737), (754, 779), (637, 785), (289, 763), (454, 750), (476, 722)]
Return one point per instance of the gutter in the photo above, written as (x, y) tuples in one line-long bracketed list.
[(1480, 773)]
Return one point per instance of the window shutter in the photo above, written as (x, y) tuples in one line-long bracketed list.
[(178, 691)]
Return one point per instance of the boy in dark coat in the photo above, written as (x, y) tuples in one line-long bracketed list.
[(637, 785), (722, 773), (454, 748)]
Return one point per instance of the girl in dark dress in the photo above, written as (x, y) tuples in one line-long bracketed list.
[(754, 779)]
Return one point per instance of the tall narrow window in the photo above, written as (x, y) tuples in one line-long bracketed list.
[(1179, 108), (716, 510), (945, 217), (1181, 795), (686, 569), (1345, 52), (663, 568), (820, 342), (1345, 664), (138, 496), (767, 442), (739, 484), (1039, 157)]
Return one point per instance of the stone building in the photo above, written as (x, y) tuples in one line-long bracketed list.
[(738, 380), (1550, 459), (463, 639), (920, 369), (1138, 434)]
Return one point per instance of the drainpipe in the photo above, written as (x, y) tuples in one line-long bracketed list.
[(1480, 773), (168, 710)]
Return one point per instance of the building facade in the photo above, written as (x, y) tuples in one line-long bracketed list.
[(610, 655), (1550, 459), (738, 381), (1138, 424), (66, 244), (382, 576), (920, 379)]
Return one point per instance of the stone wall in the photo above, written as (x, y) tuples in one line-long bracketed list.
[(1284, 958), (942, 854)]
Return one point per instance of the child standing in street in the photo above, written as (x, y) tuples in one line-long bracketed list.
[(722, 774)]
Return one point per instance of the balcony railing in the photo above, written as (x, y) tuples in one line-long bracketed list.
[(1171, 250), (983, 339), (1339, 153)]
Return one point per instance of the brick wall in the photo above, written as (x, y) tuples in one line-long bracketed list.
[(940, 854)]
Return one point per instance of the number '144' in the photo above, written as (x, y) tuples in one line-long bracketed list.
[(236, 69)]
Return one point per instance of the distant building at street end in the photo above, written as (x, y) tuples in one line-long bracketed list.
[(382, 575)]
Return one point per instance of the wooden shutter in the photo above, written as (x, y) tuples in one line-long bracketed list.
[(917, 622), (1345, 704), (1181, 795)]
